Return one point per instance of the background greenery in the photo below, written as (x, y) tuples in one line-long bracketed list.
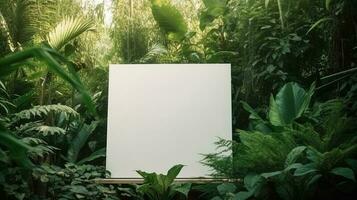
[(294, 92)]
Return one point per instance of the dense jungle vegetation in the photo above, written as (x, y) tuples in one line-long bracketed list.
[(294, 86)]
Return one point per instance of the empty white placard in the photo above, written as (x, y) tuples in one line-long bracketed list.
[(160, 115)]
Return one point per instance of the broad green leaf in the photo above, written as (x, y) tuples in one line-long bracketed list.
[(95, 155), (79, 141), (253, 113), (205, 20), (215, 8), (345, 172), (289, 104), (243, 195), (313, 155), (253, 182), (225, 188), (79, 189), (15, 61), (294, 155), (173, 172), (305, 169), (313, 180), (183, 189), (169, 19)]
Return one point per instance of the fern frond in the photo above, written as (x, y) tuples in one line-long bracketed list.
[(260, 152), (67, 30), (48, 130), (41, 111), (155, 51), (222, 161), (23, 128), (39, 147)]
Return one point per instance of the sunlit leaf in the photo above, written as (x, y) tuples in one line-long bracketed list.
[(169, 19), (67, 30)]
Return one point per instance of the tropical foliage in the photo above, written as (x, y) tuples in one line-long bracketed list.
[(294, 94)]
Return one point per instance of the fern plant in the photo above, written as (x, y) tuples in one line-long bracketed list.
[(40, 111), (51, 58), (294, 150)]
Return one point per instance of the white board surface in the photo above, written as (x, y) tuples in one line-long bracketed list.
[(160, 115)]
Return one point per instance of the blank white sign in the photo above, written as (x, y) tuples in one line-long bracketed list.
[(160, 115)]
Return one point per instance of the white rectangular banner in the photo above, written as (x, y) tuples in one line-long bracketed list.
[(160, 115)]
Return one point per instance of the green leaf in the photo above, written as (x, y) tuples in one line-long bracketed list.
[(294, 155), (95, 155), (253, 113), (289, 104), (271, 174), (3, 157), (253, 182), (328, 4), (225, 188), (183, 189), (173, 172), (352, 163), (18, 149), (313, 179), (77, 143), (79, 189), (243, 195), (267, 3), (68, 29), (213, 9), (320, 21), (169, 19), (305, 169), (205, 20), (14, 61), (345, 172)]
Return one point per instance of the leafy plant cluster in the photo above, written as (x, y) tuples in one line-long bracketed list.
[(297, 152), (296, 144)]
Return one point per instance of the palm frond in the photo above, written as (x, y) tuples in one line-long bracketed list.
[(20, 18), (155, 51), (67, 30), (51, 58), (41, 111)]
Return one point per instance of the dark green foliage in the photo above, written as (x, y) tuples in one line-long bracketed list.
[(75, 182), (298, 144), (291, 159), (162, 187)]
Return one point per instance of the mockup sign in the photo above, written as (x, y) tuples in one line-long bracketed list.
[(160, 115)]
